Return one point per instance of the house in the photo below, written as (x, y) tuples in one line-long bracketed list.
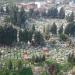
[(27, 6)]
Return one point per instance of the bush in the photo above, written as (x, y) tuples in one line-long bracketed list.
[(71, 58), (63, 37)]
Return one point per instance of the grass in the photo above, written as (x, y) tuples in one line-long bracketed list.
[(44, 73)]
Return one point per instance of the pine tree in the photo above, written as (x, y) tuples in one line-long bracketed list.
[(70, 29), (54, 29), (60, 30), (52, 12), (62, 13), (1, 10), (70, 18), (33, 28), (39, 40), (47, 30)]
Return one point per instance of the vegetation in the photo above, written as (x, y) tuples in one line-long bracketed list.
[(54, 29), (42, 49), (71, 59), (70, 18), (8, 35), (70, 29), (62, 13), (63, 37), (46, 32), (53, 12), (18, 69), (25, 36), (60, 31), (38, 59), (39, 40)]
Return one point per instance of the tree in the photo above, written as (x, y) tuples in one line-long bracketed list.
[(30, 33), (1, 10), (63, 37), (53, 12), (70, 18), (70, 29), (19, 65), (8, 35), (10, 65), (62, 13), (5, 71), (44, 14), (7, 9), (25, 36), (71, 58), (33, 28), (20, 69), (23, 16), (46, 32), (44, 29), (38, 59), (54, 29), (60, 30), (39, 40), (13, 15), (7, 19), (31, 12), (26, 71), (43, 58), (35, 14)]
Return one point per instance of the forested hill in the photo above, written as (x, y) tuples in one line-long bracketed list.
[(11, 1), (2, 2)]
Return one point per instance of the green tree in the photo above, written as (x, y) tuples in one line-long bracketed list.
[(60, 31), (35, 14), (39, 40), (62, 13), (1, 10), (7, 9), (21, 17), (52, 12), (70, 29), (70, 18), (19, 65), (43, 58), (10, 65), (33, 28), (7, 19), (13, 15), (8, 35), (5, 71), (26, 71), (31, 12), (71, 58), (44, 14), (30, 33), (54, 29), (46, 32), (25, 35), (63, 37)]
